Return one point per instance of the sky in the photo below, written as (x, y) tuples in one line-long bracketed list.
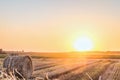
[(54, 25)]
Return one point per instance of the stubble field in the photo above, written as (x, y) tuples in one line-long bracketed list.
[(75, 68)]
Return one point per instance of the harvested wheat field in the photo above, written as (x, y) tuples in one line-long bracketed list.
[(63, 69)]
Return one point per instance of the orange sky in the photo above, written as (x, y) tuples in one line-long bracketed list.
[(50, 25)]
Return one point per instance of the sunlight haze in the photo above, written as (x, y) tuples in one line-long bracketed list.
[(54, 25)]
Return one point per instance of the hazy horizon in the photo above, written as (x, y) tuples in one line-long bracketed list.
[(50, 25)]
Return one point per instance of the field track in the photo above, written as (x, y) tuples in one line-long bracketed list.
[(72, 70)]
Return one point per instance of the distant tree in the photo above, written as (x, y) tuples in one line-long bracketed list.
[(1, 50), (22, 50)]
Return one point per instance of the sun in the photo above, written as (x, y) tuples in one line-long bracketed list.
[(83, 44)]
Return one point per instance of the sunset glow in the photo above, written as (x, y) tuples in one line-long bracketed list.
[(83, 44), (52, 25)]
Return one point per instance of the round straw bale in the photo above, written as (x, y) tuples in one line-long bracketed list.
[(21, 66)]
